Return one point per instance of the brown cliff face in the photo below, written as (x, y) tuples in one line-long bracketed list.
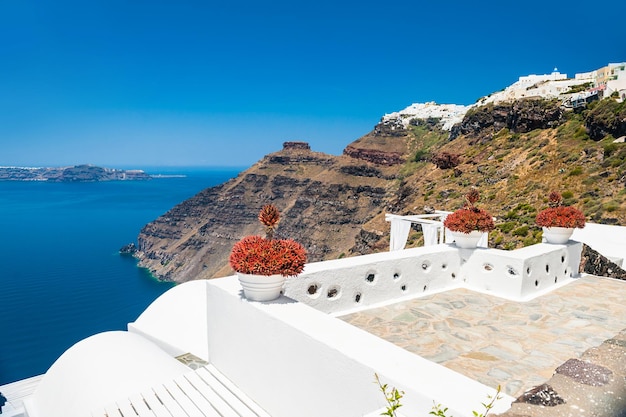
[(334, 205), (324, 201)]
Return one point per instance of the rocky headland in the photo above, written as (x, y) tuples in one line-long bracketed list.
[(76, 173), (413, 161)]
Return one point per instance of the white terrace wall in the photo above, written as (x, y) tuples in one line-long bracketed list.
[(363, 281), (293, 360), (344, 285), (521, 274)]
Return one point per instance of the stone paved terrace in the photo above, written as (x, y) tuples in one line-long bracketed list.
[(500, 342)]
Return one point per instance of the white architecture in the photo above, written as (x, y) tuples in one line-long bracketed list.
[(450, 114), (616, 80), (609, 79), (202, 349), (546, 86)]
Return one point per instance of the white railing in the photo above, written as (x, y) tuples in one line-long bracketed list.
[(432, 227)]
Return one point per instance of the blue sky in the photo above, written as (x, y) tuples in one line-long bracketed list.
[(138, 83)]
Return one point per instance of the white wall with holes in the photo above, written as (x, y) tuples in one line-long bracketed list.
[(521, 274), (345, 285), (353, 283)]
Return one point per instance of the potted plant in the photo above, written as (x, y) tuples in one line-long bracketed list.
[(263, 263), (559, 221), (468, 223)]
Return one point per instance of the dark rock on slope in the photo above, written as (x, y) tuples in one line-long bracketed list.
[(592, 262), (520, 116)]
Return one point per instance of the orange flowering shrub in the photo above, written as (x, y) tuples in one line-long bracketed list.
[(268, 256), (558, 215), (470, 217)]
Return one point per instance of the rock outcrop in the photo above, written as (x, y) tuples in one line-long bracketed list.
[(520, 116), (606, 117), (375, 156), (594, 263)]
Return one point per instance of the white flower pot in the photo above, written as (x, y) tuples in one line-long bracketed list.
[(467, 240), (261, 287), (558, 235)]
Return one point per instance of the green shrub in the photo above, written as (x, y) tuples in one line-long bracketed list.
[(529, 241), (575, 171), (589, 180), (506, 227), (421, 155), (581, 133), (521, 231), (609, 149)]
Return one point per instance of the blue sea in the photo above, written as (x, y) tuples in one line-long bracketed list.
[(62, 278)]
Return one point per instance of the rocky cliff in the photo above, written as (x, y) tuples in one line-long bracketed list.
[(514, 153), (324, 201)]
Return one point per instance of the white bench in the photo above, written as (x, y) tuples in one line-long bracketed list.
[(204, 392)]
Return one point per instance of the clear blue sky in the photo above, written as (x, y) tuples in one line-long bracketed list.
[(150, 82)]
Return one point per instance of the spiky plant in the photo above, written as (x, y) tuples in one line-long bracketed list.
[(268, 256), (269, 216), (555, 199)]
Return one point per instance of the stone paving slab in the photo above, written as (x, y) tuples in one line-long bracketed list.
[(592, 386), (500, 342)]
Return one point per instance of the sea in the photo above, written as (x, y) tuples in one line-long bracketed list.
[(62, 278)]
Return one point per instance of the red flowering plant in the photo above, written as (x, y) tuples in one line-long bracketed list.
[(470, 218), (268, 256), (558, 215)]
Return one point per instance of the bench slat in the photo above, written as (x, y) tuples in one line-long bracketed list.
[(183, 400), (196, 397), (170, 403)]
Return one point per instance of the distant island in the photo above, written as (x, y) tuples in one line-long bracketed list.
[(77, 173)]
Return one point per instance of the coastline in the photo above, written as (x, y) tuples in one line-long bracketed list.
[(77, 273)]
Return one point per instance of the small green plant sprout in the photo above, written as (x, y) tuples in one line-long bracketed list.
[(439, 411), (488, 406), (392, 396)]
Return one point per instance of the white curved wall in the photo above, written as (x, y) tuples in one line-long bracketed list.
[(177, 320), (99, 370)]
